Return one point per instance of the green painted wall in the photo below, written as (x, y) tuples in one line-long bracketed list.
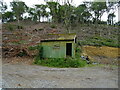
[(56, 49)]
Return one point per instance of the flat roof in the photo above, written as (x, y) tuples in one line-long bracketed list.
[(59, 37)]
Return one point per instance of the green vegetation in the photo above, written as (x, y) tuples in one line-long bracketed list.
[(22, 53), (100, 41), (11, 27), (67, 14), (60, 62), (53, 26), (19, 42), (34, 47), (40, 29)]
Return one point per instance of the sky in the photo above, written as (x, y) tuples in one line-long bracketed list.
[(31, 3)]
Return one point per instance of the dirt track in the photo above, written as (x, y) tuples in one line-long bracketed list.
[(33, 76)]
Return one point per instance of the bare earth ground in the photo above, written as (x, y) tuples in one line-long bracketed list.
[(24, 75)]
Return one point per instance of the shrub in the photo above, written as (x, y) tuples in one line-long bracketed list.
[(78, 51), (34, 47), (40, 29), (10, 27), (53, 26), (60, 62), (22, 53)]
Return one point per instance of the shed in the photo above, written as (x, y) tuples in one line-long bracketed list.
[(58, 45)]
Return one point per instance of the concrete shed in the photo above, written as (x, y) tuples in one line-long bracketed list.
[(58, 46)]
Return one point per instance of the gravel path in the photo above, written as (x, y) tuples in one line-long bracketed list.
[(33, 76)]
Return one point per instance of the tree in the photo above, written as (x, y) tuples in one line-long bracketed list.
[(68, 15), (98, 8), (38, 11), (18, 9), (7, 16), (110, 18), (3, 7), (31, 12), (53, 6), (82, 13), (110, 9), (44, 13)]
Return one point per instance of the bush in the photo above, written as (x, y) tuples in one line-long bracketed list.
[(60, 62), (53, 26), (22, 53), (34, 47), (78, 51), (10, 27), (40, 29)]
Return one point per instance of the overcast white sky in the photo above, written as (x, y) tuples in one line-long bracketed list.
[(31, 3)]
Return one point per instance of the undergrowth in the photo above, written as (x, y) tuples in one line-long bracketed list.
[(100, 41), (60, 62)]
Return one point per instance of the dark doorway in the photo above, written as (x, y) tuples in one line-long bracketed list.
[(69, 49)]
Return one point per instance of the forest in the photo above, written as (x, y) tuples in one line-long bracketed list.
[(65, 13)]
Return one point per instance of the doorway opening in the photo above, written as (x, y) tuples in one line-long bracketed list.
[(68, 49)]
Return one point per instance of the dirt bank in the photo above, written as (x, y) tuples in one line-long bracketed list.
[(104, 54)]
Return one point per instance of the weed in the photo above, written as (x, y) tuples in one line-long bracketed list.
[(60, 62), (22, 53), (53, 26), (40, 29), (10, 27), (34, 47)]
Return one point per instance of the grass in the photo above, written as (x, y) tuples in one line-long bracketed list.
[(11, 27), (100, 41), (20, 42), (53, 26), (60, 62), (101, 65), (34, 47)]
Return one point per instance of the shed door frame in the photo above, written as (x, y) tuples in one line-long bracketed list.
[(68, 49)]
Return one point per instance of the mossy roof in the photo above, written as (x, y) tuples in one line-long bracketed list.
[(59, 37)]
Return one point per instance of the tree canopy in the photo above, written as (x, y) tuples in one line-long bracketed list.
[(67, 14)]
